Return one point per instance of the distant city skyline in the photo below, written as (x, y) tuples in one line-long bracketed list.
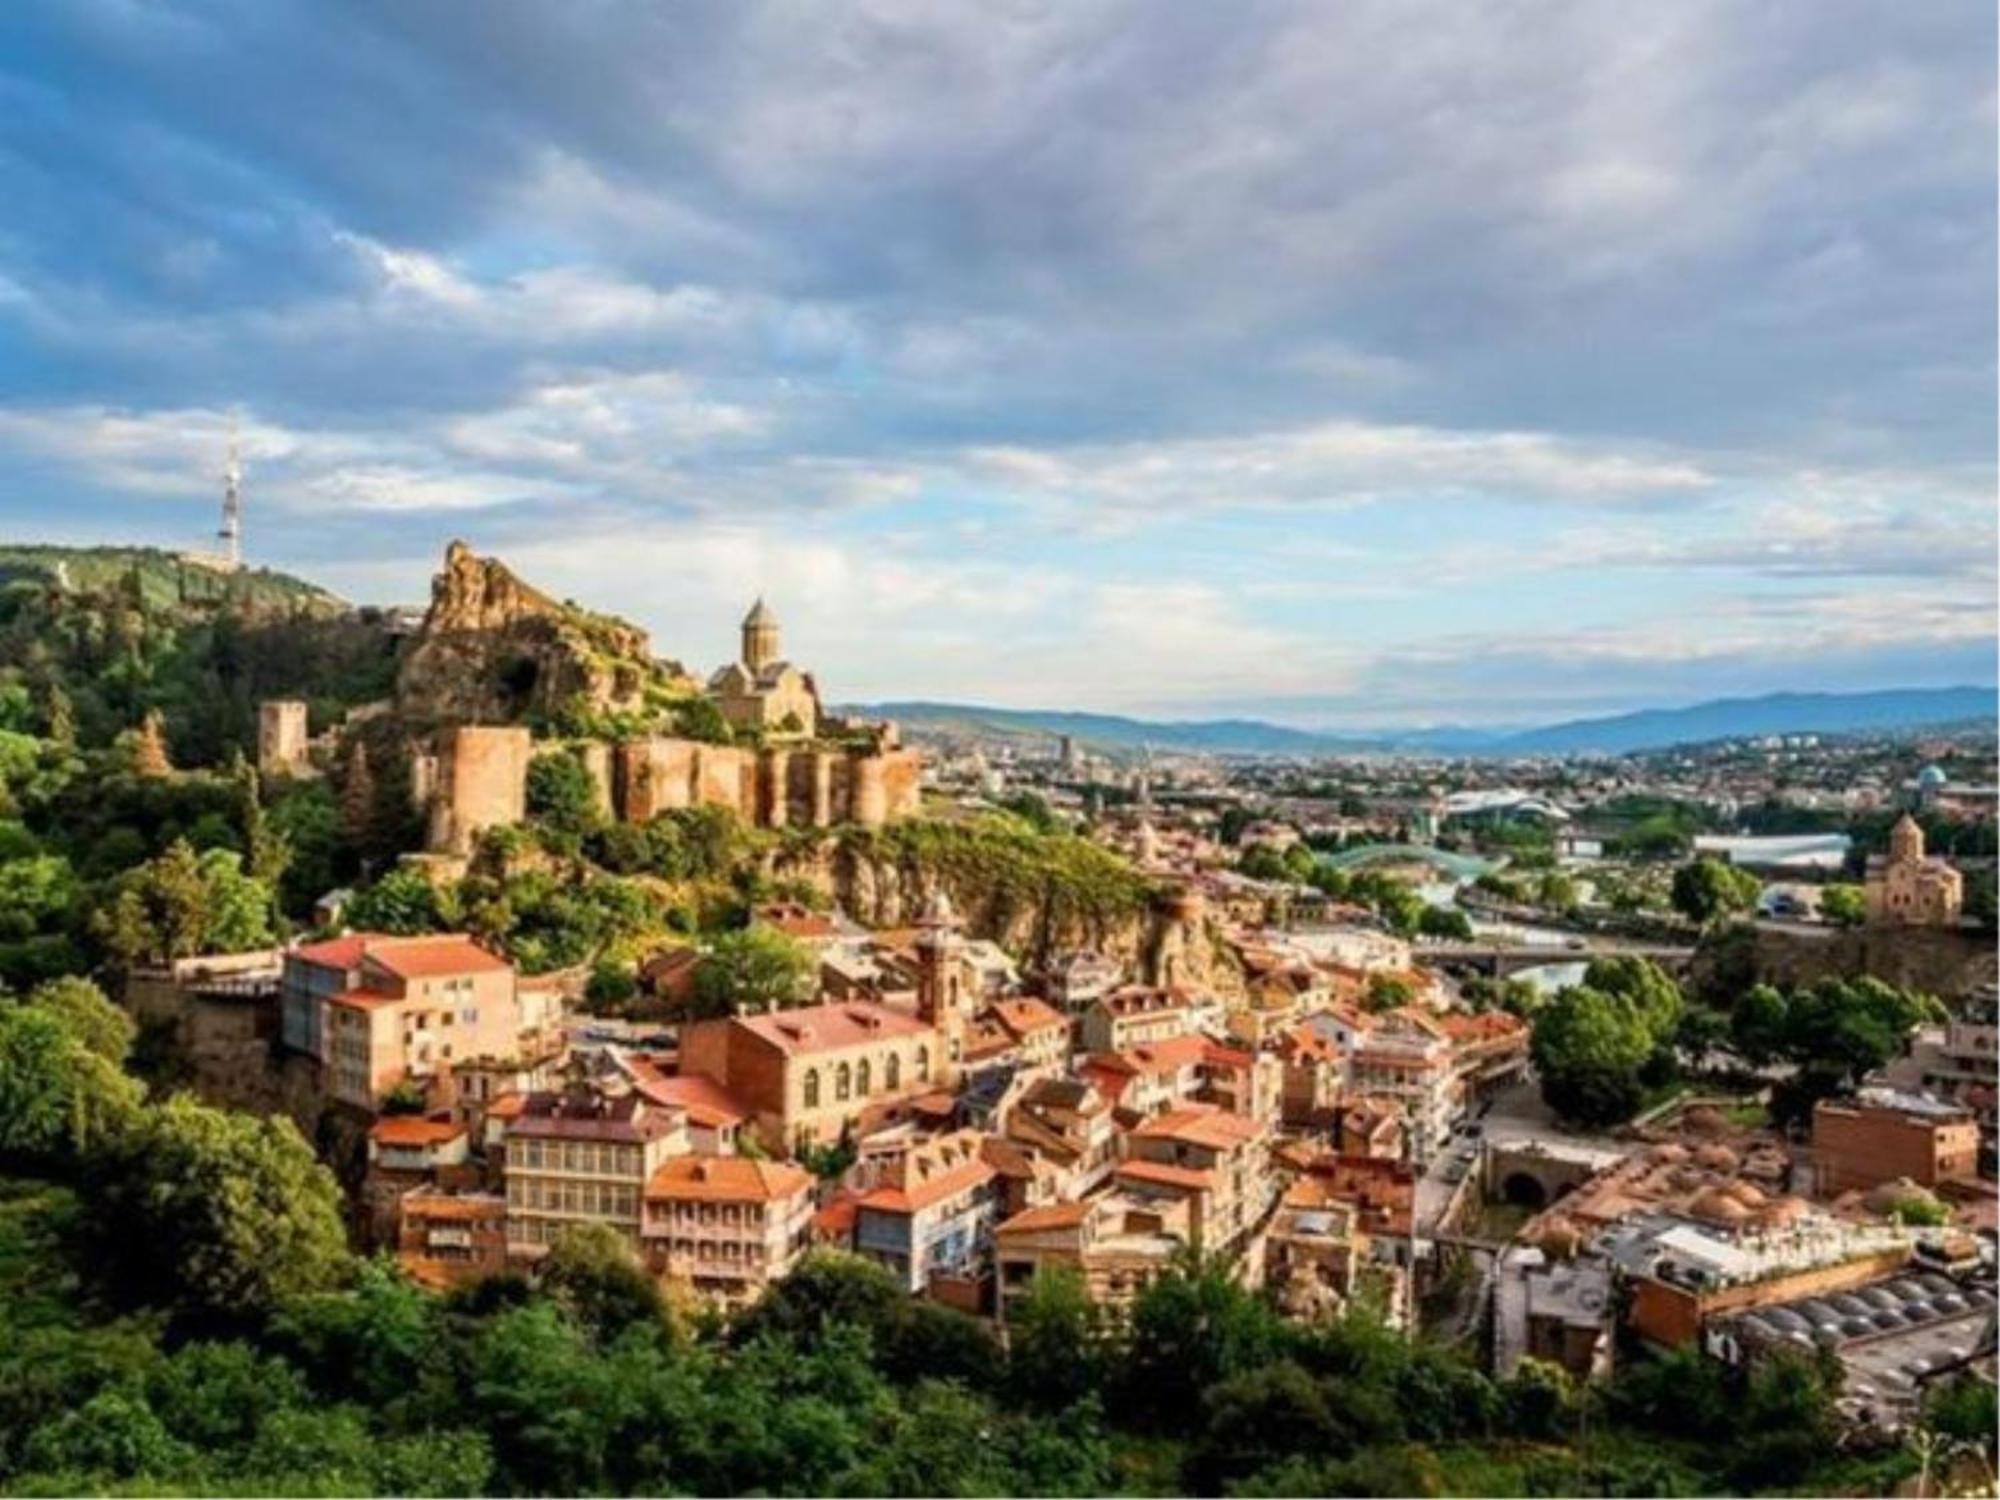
[(1400, 364)]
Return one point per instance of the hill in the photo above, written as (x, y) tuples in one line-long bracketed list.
[(163, 579), (1646, 729), (1774, 713)]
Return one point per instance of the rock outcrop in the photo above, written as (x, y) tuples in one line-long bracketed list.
[(494, 650), (1164, 936)]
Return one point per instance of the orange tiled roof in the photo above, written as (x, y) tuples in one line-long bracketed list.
[(727, 1179), (1048, 1216), (931, 1173), (1027, 1015), (413, 1130), (1168, 1176), (1205, 1126)]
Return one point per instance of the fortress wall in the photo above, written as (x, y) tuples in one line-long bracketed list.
[(777, 787), (870, 792), (483, 782)]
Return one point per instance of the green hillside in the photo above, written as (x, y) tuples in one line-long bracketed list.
[(162, 579)]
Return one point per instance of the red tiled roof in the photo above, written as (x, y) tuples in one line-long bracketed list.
[(828, 1028), (406, 957), (727, 1179), (1155, 1057), (706, 1102)]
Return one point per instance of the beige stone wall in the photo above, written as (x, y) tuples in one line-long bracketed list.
[(776, 787), (282, 738), (482, 782)]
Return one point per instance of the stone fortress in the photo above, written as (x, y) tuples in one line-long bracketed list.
[(491, 648)]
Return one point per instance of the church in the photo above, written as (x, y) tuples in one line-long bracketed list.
[(763, 692)]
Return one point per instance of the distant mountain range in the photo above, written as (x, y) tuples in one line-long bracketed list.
[(1647, 729)]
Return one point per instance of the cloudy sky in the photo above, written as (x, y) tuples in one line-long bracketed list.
[(1362, 364)]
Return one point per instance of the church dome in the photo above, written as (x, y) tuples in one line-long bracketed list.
[(1931, 776), (760, 614)]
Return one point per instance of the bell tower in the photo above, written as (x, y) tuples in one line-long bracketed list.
[(941, 999), (760, 638)]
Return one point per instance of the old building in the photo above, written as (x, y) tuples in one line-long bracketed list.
[(1118, 1244), (448, 1239), (1909, 888), (1215, 1162), (377, 1011), (1067, 1125), (1131, 1016), (933, 1212), (803, 1076), (726, 1225), (1884, 1136), (583, 1156), (762, 692)]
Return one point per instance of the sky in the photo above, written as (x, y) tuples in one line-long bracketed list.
[(1375, 364)]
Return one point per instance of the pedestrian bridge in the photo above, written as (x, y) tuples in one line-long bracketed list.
[(1502, 960), (1457, 866)]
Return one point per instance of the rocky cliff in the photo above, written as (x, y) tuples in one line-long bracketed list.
[(1038, 896), (494, 650)]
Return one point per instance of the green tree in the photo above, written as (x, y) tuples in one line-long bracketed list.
[(222, 1215), (83, 1008), (754, 969), (1709, 890), (1760, 1025), (403, 902), (1445, 922), (1843, 905), (1055, 1341), (59, 1098), (1590, 1050), (561, 794), (593, 1272)]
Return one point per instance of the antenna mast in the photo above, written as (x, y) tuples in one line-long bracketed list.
[(231, 533)]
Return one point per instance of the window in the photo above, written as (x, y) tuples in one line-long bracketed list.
[(812, 1088), (861, 1078), (892, 1072), (843, 1083), (923, 1064)]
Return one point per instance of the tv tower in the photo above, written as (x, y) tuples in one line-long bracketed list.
[(231, 533)]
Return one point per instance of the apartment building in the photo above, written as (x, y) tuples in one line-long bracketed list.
[(378, 1010), (583, 1156), (1216, 1162), (932, 1213), (727, 1225)]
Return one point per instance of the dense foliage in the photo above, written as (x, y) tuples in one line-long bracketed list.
[(838, 1383)]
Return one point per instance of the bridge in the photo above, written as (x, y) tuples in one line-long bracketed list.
[(1502, 960), (1457, 866)]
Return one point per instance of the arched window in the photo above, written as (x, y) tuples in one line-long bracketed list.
[(861, 1079), (892, 1072), (812, 1088), (923, 1064), (843, 1083)]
